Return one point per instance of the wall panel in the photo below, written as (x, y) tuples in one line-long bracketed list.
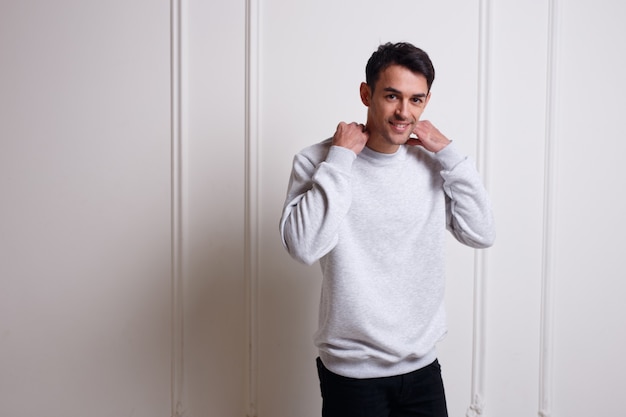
[(517, 121), (85, 213), (312, 60), (589, 331), (213, 133)]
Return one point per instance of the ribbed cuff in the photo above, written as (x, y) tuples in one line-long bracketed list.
[(340, 157), (450, 157)]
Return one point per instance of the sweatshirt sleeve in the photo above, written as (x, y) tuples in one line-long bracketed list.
[(318, 198), (468, 210)]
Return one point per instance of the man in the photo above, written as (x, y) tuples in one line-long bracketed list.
[(372, 205)]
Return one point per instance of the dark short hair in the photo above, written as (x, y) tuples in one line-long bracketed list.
[(403, 54)]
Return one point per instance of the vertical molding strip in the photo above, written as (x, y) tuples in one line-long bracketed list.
[(549, 210), (177, 206), (480, 256), (251, 246)]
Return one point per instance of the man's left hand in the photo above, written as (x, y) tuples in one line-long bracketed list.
[(428, 136)]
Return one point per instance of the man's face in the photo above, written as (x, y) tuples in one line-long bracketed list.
[(395, 105)]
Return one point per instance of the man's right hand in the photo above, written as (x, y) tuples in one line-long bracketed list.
[(352, 136)]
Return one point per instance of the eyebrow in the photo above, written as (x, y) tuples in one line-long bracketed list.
[(393, 90)]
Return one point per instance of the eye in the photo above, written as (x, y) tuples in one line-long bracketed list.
[(417, 100), (391, 96)]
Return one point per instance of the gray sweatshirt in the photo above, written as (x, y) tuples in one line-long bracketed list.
[(376, 222)]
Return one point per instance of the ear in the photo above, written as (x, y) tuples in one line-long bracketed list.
[(366, 94)]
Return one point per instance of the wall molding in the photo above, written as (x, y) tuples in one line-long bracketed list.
[(251, 226), (480, 256), (549, 216), (177, 205)]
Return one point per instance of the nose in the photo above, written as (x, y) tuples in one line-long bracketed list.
[(402, 111)]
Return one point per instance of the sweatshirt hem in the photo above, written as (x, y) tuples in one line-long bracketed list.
[(373, 367)]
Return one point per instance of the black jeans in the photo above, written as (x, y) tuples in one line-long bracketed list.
[(416, 394)]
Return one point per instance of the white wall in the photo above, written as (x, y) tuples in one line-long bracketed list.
[(85, 211), (213, 352), (313, 59), (589, 331), (141, 271)]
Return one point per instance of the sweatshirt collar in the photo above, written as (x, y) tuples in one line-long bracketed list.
[(383, 158)]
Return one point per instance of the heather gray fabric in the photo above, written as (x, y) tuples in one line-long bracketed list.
[(376, 222)]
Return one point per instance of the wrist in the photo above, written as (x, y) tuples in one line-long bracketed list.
[(442, 145)]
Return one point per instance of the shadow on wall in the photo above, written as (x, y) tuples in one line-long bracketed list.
[(288, 301), (215, 329)]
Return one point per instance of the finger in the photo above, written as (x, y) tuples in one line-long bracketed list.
[(417, 128)]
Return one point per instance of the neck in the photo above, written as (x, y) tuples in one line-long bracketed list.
[(379, 144)]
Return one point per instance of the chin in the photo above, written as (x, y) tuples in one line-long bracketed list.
[(400, 140)]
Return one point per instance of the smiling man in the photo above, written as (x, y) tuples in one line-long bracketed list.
[(372, 205)]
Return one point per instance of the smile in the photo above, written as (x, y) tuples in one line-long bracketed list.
[(400, 127)]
